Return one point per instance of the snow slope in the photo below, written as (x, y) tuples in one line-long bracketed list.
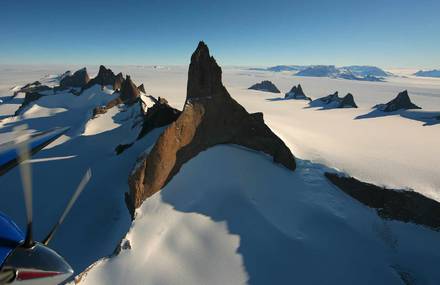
[(295, 213), (100, 218), (264, 225)]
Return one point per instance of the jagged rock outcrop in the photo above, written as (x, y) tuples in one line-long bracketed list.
[(296, 93), (159, 115), (33, 91), (103, 109), (334, 101), (348, 101), (266, 86), (401, 102), (78, 79), (105, 77), (141, 88), (405, 206), (33, 87), (119, 80), (129, 94), (129, 91), (210, 117), (28, 98)]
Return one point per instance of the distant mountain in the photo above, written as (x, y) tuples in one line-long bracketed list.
[(318, 71), (266, 86), (353, 72), (280, 68), (365, 71), (362, 73), (428, 73)]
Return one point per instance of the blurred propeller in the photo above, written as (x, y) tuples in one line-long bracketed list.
[(78, 191), (21, 140)]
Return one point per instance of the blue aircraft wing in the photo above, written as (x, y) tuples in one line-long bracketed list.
[(9, 156), (10, 237)]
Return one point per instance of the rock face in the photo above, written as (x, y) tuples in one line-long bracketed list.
[(129, 91), (159, 115), (141, 88), (401, 102), (33, 87), (119, 80), (405, 206), (334, 101), (210, 117), (79, 79), (266, 86), (296, 93), (103, 109), (105, 77), (32, 93), (348, 102)]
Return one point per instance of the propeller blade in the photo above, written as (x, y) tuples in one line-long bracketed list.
[(25, 170), (75, 195)]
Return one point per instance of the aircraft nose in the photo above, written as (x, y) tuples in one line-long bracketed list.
[(38, 263)]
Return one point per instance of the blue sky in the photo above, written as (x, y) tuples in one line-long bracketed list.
[(386, 33)]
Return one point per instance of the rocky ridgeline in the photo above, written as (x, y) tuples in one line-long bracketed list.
[(401, 102), (80, 81), (265, 86), (296, 93), (76, 80), (141, 88), (210, 117), (129, 91), (129, 94), (405, 206), (33, 91), (159, 115), (334, 101), (119, 80), (105, 77)]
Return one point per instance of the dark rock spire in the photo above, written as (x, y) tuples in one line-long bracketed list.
[(210, 117)]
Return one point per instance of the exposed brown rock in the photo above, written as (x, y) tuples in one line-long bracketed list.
[(405, 206), (103, 109), (105, 77), (210, 117), (119, 80), (79, 79), (32, 93), (129, 91), (141, 88), (159, 115)]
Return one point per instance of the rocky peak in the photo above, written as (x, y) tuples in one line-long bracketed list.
[(334, 101), (210, 117), (119, 80), (78, 79), (129, 91), (141, 88), (296, 93), (204, 75), (348, 101), (105, 77), (401, 102), (266, 86)]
